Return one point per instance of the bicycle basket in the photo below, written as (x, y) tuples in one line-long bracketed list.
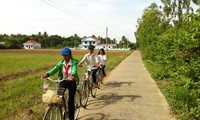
[(53, 95)]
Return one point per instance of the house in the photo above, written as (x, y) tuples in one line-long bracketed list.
[(92, 40), (109, 46), (32, 44)]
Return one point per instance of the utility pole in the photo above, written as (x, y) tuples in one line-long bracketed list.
[(107, 41), (127, 44), (123, 44)]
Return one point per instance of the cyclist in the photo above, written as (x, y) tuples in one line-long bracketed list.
[(92, 62), (67, 69), (102, 60)]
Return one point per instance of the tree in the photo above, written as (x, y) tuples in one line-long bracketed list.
[(187, 6), (167, 9), (173, 50), (149, 27), (175, 8)]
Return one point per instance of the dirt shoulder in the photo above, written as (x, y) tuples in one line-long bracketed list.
[(129, 93)]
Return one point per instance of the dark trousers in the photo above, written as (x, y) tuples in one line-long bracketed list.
[(94, 71), (71, 85)]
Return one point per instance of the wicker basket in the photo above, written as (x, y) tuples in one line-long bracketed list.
[(53, 95)]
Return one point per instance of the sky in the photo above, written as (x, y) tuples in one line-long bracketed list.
[(69, 17)]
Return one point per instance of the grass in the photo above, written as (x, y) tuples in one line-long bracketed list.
[(19, 94), (22, 97), (18, 62)]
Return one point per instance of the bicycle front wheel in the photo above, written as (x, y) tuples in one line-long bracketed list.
[(53, 112), (84, 94)]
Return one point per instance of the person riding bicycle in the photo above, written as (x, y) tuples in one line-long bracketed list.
[(102, 60), (67, 69), (92, 62)]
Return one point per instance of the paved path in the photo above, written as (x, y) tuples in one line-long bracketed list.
[(129, 93)]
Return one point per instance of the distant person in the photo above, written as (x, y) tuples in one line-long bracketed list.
[(102, 60), (67, 69), (92, 63)]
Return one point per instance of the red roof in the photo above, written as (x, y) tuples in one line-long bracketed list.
[(95, 38), (32, 41)]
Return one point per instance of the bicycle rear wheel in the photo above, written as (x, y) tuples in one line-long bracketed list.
[(84, 94), (93, 88), (53, 112), (77, 104), (101, 76)]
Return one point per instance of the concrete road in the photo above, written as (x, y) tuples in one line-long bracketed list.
[(128, 93)]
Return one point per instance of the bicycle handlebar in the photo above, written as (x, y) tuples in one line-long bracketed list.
[(55, 81)]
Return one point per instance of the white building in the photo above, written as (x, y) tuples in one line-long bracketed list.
[(31, 44), (109, 46), (92, 40), (89, 41)]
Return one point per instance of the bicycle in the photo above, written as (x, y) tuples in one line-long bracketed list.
[(57, 108), (87, 87)]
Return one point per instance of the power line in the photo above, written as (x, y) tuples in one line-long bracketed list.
[(68, 9), (59, 3), (63, 10), (71, 12)]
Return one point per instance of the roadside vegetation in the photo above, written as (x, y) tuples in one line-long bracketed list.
[(21, 97), (169, 40)]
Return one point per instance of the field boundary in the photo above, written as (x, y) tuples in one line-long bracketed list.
[(24, 73)]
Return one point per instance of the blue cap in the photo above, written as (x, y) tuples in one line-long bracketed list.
[(66, 51)]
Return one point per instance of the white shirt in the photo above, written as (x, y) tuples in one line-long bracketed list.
[(91, 60), (102, 59), (69, 70)]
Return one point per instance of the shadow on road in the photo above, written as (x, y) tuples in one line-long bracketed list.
[(118, 84), (104, 99), (114, 97), (95, 116)]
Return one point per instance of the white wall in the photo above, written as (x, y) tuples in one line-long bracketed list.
[(31, 46)]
